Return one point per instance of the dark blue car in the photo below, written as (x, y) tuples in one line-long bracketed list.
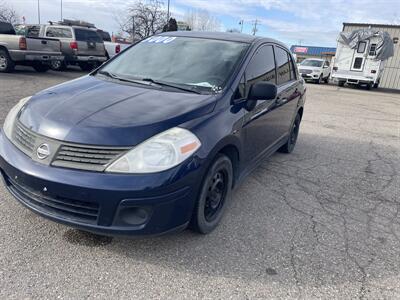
[(156, 139)]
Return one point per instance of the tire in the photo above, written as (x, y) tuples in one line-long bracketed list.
[(376, 85), (319, 80), (368, 86), (41, 68), (214, 195), (326, 80), (58, 65), (87, 67), (341, 83), (6, 63), (294, 133)]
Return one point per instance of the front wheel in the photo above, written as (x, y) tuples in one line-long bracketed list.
[(294, 133), (214, 195), (319, 80), (326, 80)]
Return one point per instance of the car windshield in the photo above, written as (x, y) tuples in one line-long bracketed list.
[(204, 64), (312, 63)]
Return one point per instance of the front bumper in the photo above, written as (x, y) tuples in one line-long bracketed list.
[(311, 76), (110, 204)]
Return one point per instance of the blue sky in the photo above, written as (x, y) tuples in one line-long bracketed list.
[(309, 22)]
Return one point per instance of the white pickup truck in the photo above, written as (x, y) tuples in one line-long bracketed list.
[(20, 50), (112, 48)]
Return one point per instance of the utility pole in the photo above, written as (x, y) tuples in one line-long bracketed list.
[(38, 9), (133, 29), (61, 10), (255, 27), (168, 12), (241, 25)]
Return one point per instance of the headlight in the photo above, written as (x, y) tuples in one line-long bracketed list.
[(12, 115), (159, 153)]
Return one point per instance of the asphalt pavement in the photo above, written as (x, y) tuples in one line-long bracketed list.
[(320, 223)]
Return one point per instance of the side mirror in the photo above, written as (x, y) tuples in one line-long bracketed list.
[(263, 91), (326, 67)]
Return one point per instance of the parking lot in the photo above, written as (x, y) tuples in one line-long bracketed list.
[(322, 222)]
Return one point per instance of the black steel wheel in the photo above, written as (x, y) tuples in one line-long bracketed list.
[(294, 133), (214, 195), (58, 65)]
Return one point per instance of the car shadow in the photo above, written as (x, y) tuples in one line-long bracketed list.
[(325, 214)]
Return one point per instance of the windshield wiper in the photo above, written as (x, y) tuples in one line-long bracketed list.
[(113, 76), (175, 86)]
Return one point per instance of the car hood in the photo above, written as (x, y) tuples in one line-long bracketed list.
[(92, 111), (309, 68)]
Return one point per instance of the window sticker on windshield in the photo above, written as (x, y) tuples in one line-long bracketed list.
[(161, 39)]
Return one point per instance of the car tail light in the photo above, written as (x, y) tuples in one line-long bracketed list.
[(73, 45), (373, 71), (335, 68), (22, 43), (117, 49)]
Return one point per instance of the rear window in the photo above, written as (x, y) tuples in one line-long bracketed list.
[(6, 28), (87, 35), (58, 32), (28, 31)]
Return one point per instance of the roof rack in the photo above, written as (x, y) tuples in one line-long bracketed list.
[(68, 22)]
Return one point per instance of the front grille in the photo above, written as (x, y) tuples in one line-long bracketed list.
[(303, 71), (24, 138), (86, 157), (85, 212)]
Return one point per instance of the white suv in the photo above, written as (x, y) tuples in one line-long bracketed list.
[(315, 69)]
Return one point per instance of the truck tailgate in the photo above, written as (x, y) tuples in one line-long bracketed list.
[(43, 44)]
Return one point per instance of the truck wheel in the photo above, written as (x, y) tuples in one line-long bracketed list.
[(341, 83), (319, 80), (214, 195), (41, 68), (6, 63), (58, 65)]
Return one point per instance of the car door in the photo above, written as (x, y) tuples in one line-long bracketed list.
[(326, 69), (289, 92), (359, 56), (260, 121)]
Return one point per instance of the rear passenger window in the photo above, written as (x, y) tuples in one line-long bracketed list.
[(261, 66), (59, 32), (84, 35), (283, 65)]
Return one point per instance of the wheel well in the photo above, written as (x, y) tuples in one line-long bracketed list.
[(4, 48), (300, 112), (233, 154)]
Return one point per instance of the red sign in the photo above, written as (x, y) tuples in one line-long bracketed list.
[(300, 49)]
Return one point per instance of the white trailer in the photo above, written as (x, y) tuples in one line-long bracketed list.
[(361, 57)]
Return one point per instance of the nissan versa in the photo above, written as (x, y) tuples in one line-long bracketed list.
[(156, 138)]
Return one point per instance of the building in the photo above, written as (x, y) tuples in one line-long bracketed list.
[(391, 75), (303, 52), (183, 26)]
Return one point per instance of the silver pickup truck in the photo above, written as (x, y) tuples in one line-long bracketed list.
[(30, 51)]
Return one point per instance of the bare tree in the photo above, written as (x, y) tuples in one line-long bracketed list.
[(8, 14), (202, 20), (144, 18)]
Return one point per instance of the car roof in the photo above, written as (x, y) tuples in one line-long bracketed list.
[(225, 36)]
